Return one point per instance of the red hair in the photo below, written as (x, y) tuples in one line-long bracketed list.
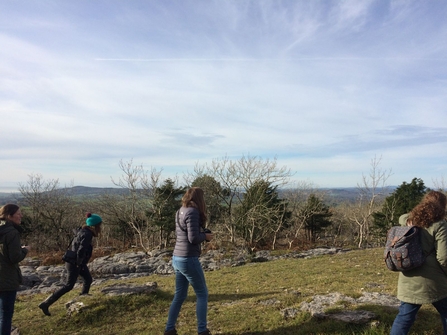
[(431, 209)]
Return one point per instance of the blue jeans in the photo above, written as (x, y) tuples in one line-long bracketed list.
[(188, 270), (7, 300), (407, 315)]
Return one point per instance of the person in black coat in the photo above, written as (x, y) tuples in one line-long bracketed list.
[(11, 253), (76, 262)]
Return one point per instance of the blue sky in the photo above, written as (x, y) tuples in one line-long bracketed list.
[(323, 86)]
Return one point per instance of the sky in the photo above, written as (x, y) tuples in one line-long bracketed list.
[(324, 87)]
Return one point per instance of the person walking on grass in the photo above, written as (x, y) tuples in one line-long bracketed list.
[(190, 223), (426, 284), (82, 247), (11, 253)]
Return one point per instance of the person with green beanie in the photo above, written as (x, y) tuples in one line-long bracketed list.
[(76, 265)]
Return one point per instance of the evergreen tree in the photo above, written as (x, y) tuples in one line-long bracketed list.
[(213, 194), (166, 202), (316, 216), (401, 201)]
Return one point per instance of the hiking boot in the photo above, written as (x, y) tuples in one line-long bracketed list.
[(170, 332), (206, 332), (44, 307)]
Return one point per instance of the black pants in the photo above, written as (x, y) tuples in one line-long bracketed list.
[(7, 300), (73, 272)]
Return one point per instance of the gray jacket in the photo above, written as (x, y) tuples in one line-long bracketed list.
[(188, 232)]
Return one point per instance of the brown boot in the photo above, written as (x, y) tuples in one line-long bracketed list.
[(206, 332), (170, 332)]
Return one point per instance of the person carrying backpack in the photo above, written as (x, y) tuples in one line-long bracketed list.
[(426, 284), (82, 248)]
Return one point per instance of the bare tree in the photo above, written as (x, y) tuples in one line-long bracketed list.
[(53, 211), (440, 185), (372, 192), (132, 206), (235, 178)]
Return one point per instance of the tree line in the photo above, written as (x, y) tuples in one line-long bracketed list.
[(251, 202)]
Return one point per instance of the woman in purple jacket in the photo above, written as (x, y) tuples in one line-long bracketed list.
[(190, 224)]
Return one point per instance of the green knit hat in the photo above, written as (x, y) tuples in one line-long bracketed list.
[(93, 219)]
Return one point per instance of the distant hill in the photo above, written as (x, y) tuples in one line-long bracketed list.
[(76, 191), (92, 191), (339, 195), (8, 197), (334, 195)]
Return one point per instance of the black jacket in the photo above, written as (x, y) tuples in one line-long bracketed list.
[(11, 253), (82, 245)]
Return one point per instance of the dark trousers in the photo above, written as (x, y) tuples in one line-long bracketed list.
[(73, 272), (7, 301)]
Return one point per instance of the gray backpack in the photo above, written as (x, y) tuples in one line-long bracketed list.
[(403, 248)]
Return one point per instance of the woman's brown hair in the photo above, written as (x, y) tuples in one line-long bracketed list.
[(194, 197), (8, 210), (431, 209), (437, 197), (96, 230)]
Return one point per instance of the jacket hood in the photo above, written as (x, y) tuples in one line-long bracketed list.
[(6, 226)]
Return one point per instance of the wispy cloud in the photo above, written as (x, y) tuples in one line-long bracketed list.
[(324, 86)]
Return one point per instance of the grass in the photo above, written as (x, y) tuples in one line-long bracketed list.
[(244, 300)]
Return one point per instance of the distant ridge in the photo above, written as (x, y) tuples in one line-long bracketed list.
[(90, 191), (76, 191), (335, 195)]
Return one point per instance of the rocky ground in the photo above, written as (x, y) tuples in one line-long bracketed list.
[(45, 279)]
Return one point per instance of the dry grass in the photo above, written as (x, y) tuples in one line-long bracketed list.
[(243, 301)]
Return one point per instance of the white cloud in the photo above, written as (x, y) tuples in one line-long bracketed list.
[(324, 86)]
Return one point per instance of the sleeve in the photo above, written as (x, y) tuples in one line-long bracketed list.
[(16, 253), (85, 248), (192, 220), (441, 246)]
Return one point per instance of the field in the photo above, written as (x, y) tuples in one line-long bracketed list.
[(243, 300)]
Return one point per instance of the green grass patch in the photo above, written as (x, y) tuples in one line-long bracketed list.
[(244, 300)]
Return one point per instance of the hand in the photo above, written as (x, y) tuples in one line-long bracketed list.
[(209, 236), (27, 247)]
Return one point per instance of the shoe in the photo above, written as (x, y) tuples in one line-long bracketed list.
[(206, 332), (170, 332), (44, 307)]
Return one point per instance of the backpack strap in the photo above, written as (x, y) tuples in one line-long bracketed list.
[(69, 244), (178, 222)]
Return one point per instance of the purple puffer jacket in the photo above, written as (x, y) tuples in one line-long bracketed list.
[(188, 232)]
